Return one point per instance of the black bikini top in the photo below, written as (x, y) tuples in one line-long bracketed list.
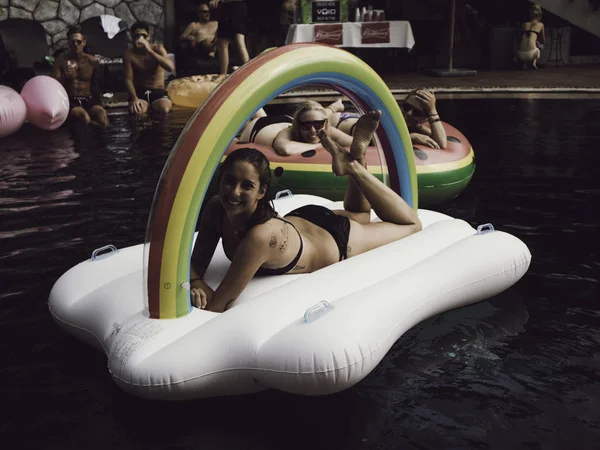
[(532, 31), (280, 271)]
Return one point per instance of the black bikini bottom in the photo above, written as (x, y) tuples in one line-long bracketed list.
[(337, 226), (265, 121)]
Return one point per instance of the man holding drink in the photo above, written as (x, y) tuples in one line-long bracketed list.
[(145, 66)]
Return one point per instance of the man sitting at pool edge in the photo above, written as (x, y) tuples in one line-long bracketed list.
[(145, 66), (78, 72)]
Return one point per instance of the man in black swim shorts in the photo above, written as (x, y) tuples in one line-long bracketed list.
[(78, 71), (232, 16), (145, 66)]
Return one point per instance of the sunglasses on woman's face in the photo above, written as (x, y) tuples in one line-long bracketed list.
[(203, 11), (317, 124), (416, 112), (140, 36)]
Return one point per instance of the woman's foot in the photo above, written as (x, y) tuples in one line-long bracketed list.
[(340, 158), (363, 134), (336, 106)]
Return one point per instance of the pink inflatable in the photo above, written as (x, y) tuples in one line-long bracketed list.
[(47, 102), (13, 111)]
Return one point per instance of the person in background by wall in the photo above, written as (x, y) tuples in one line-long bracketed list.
[(532, 37), (232, 15), (78, 72), (199, 37), (145, 66)]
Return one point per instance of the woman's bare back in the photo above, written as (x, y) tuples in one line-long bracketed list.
[(530, 32)]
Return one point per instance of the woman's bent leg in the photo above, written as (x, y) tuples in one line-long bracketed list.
[(354, 199), (365, 187)]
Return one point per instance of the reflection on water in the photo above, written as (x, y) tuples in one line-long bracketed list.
[(519, 371)]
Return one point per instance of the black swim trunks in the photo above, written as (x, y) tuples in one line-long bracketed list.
[(83, 102), (233, 15), (337, 226), (265, 121), (151, 95)]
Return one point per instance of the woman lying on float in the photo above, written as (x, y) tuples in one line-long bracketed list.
[(259, 242)]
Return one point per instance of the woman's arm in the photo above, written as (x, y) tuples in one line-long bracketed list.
[(438, 133), (204, 249), (428, 101), (251, 253), (285, 146), (423, 139)]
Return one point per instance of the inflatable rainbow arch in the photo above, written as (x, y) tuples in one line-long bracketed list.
[(209, 133)]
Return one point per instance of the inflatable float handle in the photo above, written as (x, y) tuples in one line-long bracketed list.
[(286, 193), (316, 311), (485, 228), (96, 255)]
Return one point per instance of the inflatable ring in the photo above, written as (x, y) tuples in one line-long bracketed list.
[(207, 136), (191, 92), (441, 174)]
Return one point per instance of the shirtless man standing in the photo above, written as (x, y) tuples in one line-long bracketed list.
[(77, 71), (145, 66), (199, 38)]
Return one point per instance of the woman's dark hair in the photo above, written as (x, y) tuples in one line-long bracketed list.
[(264, 210)]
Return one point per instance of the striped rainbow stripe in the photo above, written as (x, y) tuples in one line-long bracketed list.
[(199, 149)]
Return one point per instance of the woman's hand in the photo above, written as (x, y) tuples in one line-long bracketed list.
[(427, 99), (199, 298), (421, 139), (200, 294), (214, 3)]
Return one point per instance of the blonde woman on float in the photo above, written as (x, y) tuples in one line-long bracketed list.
[(292, 135), (532, 36)]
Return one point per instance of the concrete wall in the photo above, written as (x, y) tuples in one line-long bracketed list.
[(58, 15), (579, 12)]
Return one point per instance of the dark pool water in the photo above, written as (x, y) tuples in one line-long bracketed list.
[(519, 371)]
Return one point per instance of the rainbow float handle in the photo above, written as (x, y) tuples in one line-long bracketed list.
[(316, 311), (97, 255), (485, 228), (284, 193), (202, 144)]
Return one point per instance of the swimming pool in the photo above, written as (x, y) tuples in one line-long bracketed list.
[(518, 371)]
